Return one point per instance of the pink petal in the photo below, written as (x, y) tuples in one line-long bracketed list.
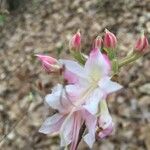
[(70, 77), (76, 128), (106, 132), (52, 124)]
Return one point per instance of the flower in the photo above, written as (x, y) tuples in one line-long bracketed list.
[(141, 44), (50, 64), (75, 42), (110, 40), (78, 101), (92, 85)]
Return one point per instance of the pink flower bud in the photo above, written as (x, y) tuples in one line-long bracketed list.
[(97, 42), (141, 44), (50, 64), (75, 42), (110, 40)]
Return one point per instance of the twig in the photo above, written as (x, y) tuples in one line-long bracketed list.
[(22, 117)]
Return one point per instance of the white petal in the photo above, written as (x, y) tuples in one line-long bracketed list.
[(105, 120), (74, 67), (93, 101), (90, 121), (89, 140), (53, 99), (57, 88), (108, 86), (74, 90), (65, 133), (52, 124), (60, 99), (97, 64)]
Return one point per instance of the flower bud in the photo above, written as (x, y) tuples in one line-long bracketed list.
[(75, 42), (97, 42), (50, 64), (106, 129), (110, 40), (141, 44), (104, 121)]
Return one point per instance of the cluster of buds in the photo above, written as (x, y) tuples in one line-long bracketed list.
[(108, 45), (83, 100)]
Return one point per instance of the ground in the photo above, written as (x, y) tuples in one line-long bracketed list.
[(45, 26)]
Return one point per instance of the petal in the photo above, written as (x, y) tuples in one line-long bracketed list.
[(108, 86), (75, 73), (70, 77), (90, 121), (59, 99), (74, 91), (74, 67), (66, 130), (93, 101), (102, 134), (53, 99), (52, 124), (97, 64), (105, 120), (76, 129)]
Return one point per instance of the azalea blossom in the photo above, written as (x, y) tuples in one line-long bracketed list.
[(93, 81), (80, 100)]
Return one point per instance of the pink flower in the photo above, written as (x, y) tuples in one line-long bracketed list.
[(141, 44), (50, 64), (79, 101), (75, 42), (92, 86), (97, 42), (110, 40)]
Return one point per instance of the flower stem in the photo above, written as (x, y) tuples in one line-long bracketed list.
[(79, 57), (128, 60)]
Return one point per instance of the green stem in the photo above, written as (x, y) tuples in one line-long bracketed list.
[(128, 60), (79, 57)]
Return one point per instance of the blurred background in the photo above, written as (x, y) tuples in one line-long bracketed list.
[(28, 27)]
